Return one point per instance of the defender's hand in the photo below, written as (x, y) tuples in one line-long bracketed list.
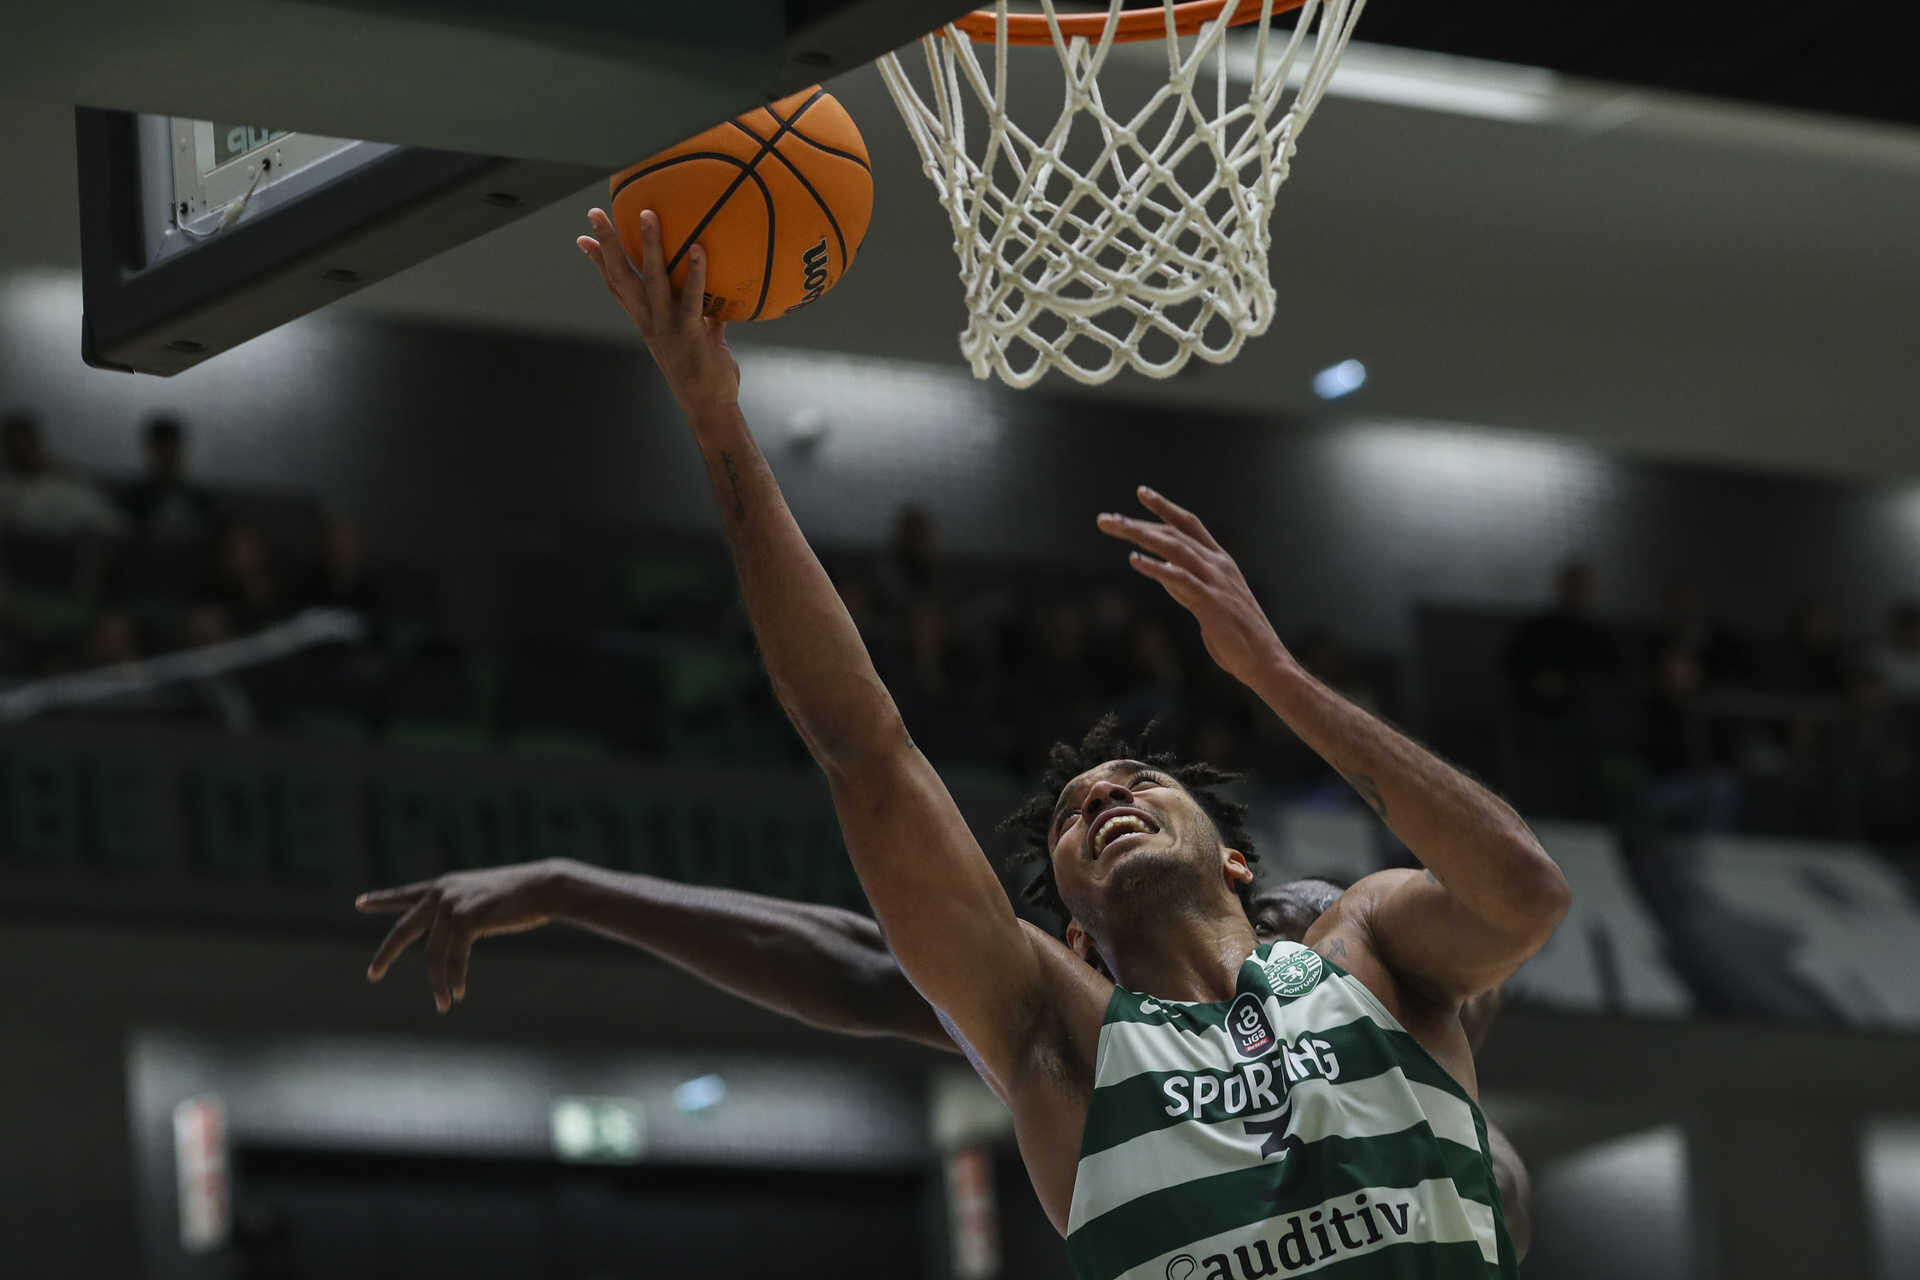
[(455, 910), (1203, 578), (690, 349)]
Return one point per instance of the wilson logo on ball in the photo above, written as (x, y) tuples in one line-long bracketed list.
[(814, 264)]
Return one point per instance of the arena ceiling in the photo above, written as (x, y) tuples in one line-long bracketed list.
[(1840, 56), (1727, 277)]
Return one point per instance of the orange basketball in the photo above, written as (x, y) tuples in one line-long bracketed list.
[(779, 198)]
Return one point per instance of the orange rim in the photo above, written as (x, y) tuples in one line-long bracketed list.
[(983, 25)]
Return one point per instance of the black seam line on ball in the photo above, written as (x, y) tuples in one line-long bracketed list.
[(766, 145), (801, 178)]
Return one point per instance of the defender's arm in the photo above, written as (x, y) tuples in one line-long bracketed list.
[(1516, 1190), (819, 965)]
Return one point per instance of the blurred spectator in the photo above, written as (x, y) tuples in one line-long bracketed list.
[(1687, 624), (1111, 663), (1052, 687), (41, 499), (163, 505), (1559, 656), (1561, 668), (1158, 674), (1897, 664), (205, 624), (1685, 788), (928, 636), (1814, 658), (1218, 740), (340, 581), (991, 664), (909, 572), (1322, 651), (245, 588), (113, 639), (1063, 649), (911, 627), (1302, 776)]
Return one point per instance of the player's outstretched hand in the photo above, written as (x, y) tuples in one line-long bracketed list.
[(455, 910), (690, 349), (1177, 552)]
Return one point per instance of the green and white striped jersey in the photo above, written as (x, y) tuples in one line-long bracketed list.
[(1296, 1129)]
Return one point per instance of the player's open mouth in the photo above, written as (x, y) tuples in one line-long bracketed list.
[(1119, 824)]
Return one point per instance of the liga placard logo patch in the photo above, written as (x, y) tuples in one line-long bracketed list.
[(1247, 1024), (1295, 973)]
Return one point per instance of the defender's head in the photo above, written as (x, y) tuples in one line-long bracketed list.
[(166, 439), (1119, 831), (1284, 912), (20, 437)]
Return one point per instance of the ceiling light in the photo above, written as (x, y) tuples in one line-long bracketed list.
[(700, 1093), (1337, 380), (1429, 81)]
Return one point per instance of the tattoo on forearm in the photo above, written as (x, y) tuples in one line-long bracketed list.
[(1337, 949), (1368, 790), (733, 479)]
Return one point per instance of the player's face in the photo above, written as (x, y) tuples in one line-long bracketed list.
[(1118, 825)]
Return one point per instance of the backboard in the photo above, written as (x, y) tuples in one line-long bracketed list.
[(243, 162)]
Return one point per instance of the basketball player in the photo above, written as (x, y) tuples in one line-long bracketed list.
[(1215, 1108), (815, 964)]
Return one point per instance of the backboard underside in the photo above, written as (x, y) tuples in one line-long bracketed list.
[(243, 162)]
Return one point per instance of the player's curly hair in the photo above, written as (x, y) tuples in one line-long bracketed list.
[(1105, 741)]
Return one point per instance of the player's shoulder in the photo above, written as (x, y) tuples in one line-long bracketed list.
[(1355, 907), (1344, 932)]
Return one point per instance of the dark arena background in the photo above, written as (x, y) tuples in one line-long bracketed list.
[(1584, 445)]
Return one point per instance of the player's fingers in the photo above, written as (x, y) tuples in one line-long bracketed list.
[(591, 247), (1180, 584), (617, 269), (608, 252), (1163, 540), (439, 946), (377, 901), (457, 965), (654, 281), (630, 301), (693, 294), (1177, 516), (407, 928)]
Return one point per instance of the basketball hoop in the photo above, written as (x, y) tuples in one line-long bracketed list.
[(1131, 235)]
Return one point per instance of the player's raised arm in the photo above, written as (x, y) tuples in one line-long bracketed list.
[(1491, 895), (945, 915)]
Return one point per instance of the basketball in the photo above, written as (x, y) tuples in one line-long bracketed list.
[(779, 198)]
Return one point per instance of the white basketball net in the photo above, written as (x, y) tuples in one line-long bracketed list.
[(1146, 243)]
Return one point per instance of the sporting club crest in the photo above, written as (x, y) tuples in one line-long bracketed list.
[(1295, 973)]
